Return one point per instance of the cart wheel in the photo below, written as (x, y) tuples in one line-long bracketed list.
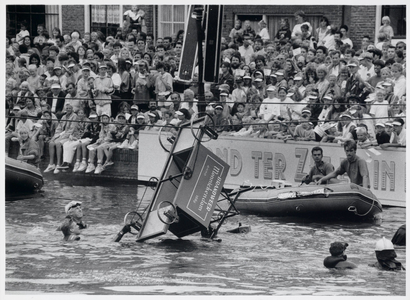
[(133, 219), (166, 139), (171, 215), (208, 128), (153, 180)]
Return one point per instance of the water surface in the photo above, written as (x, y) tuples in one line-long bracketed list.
[(282, 257)]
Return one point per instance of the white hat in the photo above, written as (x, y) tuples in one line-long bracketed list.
[(92, 115), (384, 244), (327, 97), (258, 79), (396, 123), (55, 86), (298, 78), (135, 107), (290, 94), (179, 113), (346, 115), (388, 124), (16, 107), (219, 106), (223, 94), (140, 116), (306, 110), (279, 73), (71, 205), (271, 88), (247, 77), (151, 115), (352, 64), (380, 124), (85, 68)]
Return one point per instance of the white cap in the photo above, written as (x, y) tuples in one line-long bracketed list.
[(135, 107), (179, 113), (55, 86), (258, 79), (271, 88), (380, 124), (384, 244), (70, 205)]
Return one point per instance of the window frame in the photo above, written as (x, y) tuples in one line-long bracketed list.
[(108, 28), (171, 23), (385, 12)]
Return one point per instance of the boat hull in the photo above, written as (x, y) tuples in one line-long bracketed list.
[(337, 201), (22, 178)]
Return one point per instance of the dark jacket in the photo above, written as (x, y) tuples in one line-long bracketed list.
[(60, 101)]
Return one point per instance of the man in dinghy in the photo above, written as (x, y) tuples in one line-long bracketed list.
[(354, 166), (320, 169)]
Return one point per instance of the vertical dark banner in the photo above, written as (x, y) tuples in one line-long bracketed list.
[(189, 48), (213, 30)]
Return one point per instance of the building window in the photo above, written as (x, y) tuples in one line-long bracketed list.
[(171, 19), (397, 15), (33, 15), (106, 18)]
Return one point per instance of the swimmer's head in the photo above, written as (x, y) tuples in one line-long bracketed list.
[(74, 209), (337, 248)]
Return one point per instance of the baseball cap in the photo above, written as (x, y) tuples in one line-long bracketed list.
[(247, 77), (223, 93), (85, 68), (105, 114), (388, 124), (57, 67), (135, 107), (55, 86), (92, 116), (102, 65), (140, 116), (16, 107), (380, 124), (258, 79), (271, 88), (71, 205), (179, 113), (219, 106), (306, 111)]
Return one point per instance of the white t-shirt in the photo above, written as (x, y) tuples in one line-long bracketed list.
[(380, 110), (267, 108)]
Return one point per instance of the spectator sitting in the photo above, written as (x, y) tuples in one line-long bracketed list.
[(382, 136)]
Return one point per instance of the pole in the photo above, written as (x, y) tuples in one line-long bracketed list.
[(201, 90)]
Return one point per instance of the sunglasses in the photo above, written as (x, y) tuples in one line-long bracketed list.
[(77, 205)]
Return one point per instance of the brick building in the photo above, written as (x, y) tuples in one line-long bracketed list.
[(166, 20)]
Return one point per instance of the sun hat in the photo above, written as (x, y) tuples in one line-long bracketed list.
[(71, 205)]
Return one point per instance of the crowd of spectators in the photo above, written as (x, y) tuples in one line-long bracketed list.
[(85, 96)]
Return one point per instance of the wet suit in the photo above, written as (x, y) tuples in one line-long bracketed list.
[(338, 262)]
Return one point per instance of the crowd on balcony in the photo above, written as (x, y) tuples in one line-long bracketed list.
[(83, 96)]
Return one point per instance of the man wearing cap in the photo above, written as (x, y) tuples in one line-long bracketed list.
[(270, 107), (221, 122), (56, 100), (103, 88), (355, 83), (189, 102), (354, 166), (347, 129), (366, 70), (326, 108), (382, 136), (400, 132)]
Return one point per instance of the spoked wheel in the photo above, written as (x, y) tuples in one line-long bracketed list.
[(208, 128), (134, 220), (166, 138), (167, 213)]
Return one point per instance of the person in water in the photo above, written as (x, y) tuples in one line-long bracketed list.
[(73, 222), (399, 238), (320, 169), (386, 256), (338, 259)]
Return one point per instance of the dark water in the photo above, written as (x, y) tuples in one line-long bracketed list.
[(278, 257)]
